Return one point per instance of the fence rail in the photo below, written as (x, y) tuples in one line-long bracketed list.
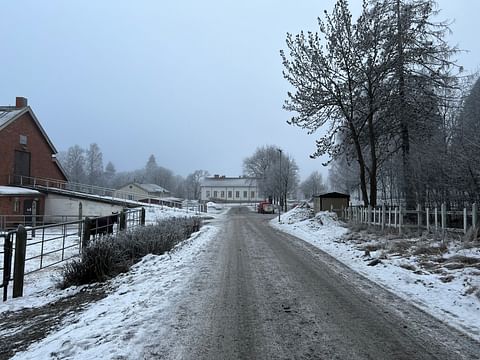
[(113, 194), (26, 250), (430, 219)]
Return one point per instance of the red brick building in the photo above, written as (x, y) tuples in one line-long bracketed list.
[(26, 154)]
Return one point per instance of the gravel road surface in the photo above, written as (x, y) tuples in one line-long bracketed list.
[(263, 294)]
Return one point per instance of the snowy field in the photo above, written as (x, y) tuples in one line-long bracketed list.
[(434, 281)]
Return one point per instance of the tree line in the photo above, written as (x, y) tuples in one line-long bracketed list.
[(399, 121), (85, 166)]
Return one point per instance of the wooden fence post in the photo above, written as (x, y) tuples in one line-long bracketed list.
[(464, 220), (384, 215), (436, 218), (400, 219), (80, 211), (123, 220), (142, 217), (428, 219), (444, 216), (34, 217), (19, 264), (419, 217), (7, 264), (474, 215), (86, 232)]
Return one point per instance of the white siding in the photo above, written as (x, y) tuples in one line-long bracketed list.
[(68, 206)]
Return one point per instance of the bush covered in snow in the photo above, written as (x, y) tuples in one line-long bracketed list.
[(109, 256)]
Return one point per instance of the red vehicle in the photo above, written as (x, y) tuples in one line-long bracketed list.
[(265, 207)]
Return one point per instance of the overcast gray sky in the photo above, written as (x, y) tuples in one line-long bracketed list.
[(196, 83)]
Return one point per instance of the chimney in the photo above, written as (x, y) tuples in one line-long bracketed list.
[(21, 102)]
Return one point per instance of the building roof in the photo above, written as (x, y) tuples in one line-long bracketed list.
[(152, 188), (20, 191), (332, 194), (8, 114), (223, 181)]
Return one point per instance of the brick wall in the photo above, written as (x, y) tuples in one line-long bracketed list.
[(41, 163), (7, 204)]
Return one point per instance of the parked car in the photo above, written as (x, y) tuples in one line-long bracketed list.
[(264, 207)]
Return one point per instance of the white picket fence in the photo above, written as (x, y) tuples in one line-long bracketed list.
[(431, 219)]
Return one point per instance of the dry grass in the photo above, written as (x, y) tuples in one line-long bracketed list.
[(430, 249)]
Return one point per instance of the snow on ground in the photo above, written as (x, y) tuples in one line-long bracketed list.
[(119, 325), (40, 286), (450, 293)]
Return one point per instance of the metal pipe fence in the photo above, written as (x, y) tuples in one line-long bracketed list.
[(49, 245)]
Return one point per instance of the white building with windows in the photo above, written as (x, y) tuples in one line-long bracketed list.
[(224, 189)]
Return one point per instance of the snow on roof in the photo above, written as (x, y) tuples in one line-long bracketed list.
[(12, 190), (152, 188), (8, 113), (228, 181)]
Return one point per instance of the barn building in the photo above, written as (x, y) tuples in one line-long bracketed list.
[(26, 154), (149, 193)]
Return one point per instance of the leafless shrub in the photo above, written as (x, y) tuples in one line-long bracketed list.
[(410, 267), (454, 266), (371, 247), (400, 246), (109, 256), (472, 237), (467, 260)]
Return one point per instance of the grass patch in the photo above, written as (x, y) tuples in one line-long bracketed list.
[(109, 256), (427, 249)]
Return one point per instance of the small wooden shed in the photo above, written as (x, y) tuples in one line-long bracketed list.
[(331, 200)]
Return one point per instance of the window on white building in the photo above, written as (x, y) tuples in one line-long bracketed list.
[(237, 194), (245, 194), (230, 194), (208, 193), (222, 194), (215, 194), (252, 195)]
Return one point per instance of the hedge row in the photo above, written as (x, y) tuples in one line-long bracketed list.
[(109, 256)]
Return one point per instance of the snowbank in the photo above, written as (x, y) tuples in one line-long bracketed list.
[(142, 298), (448, 293)]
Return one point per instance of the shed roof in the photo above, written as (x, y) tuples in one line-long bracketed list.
[(332, 194)]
